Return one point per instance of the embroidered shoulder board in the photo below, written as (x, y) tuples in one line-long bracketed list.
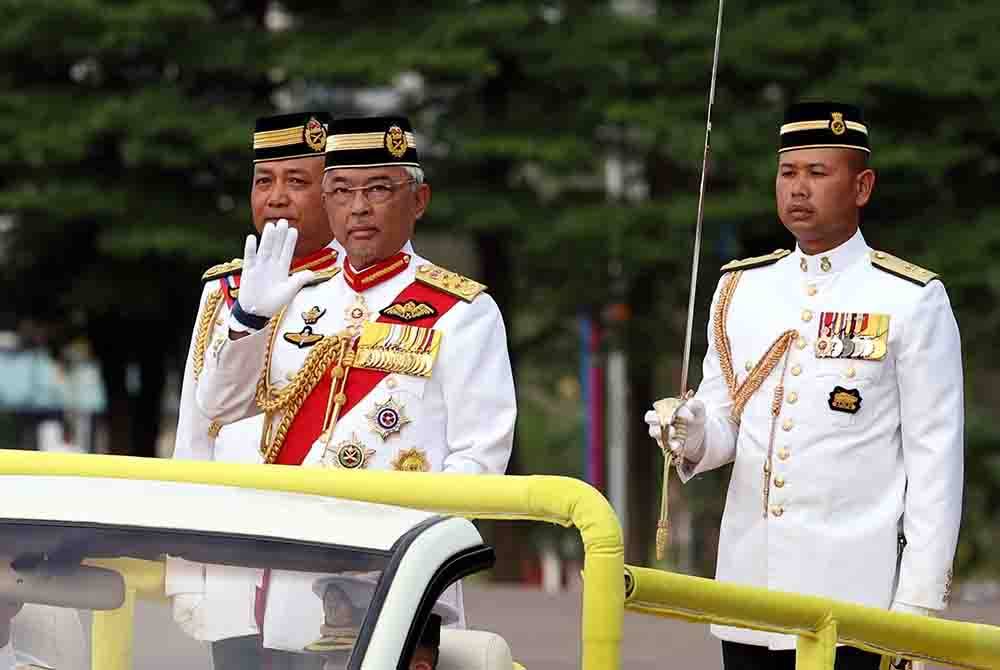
[(449, 282), (755, 261), (323, 275), (902, 269), (221, 270)]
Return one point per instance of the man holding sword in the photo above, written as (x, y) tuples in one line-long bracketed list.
[(833, 382)]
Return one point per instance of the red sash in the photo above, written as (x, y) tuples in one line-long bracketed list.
[(308, 423)]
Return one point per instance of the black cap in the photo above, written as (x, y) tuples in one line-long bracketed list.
[(373, 141), (810, 125), (284, 136)]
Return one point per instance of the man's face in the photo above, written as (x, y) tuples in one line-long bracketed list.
[(373, 231), (424, 658), (819, 192), (292, 189)]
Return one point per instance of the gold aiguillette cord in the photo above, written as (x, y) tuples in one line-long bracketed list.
[(338, 382), (666, 410)]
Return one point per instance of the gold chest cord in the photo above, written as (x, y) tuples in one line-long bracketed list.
[(741, 393), (328, 354)]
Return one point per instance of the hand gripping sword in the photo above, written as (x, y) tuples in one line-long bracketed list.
[(667, 408)]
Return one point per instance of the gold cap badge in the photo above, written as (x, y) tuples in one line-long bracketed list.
[(314, 135), (395, 141), (837, 125)]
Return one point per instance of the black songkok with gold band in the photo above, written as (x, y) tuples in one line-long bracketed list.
[(374, 141), (812, 125), (286, 136)]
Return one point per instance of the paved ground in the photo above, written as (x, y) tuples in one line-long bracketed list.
[(543, 631)]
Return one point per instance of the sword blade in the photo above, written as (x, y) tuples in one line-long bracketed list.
[(686, 358)]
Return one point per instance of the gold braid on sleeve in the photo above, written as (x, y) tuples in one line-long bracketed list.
[(289, 399), (741, 393), (205, 321)]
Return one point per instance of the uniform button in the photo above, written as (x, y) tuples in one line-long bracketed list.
[(390, 382), (219, 322), (793, 398), (796, 370), (779, 482), (850, 373), (777, 510), (801, 343), (787, 426), (290, 376), (807, 315), (783, 454), (812, 290)]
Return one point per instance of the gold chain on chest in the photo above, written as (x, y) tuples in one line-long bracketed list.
[(741, 393), (327, 354)]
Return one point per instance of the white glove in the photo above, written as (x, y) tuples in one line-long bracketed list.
[(685, 433), (266, 286), (185, 611)]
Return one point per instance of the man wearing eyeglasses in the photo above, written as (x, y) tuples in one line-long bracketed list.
[(395, 364)]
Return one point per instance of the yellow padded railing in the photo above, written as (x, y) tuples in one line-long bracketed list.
[(819, 623), (560, 500)]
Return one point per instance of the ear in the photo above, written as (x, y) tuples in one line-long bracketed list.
[(865, 185), (423, 199)]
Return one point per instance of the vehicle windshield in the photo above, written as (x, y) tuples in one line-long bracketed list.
[(223, 577), (311, 599)]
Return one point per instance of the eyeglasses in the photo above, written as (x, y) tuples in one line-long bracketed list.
[(376, 194)]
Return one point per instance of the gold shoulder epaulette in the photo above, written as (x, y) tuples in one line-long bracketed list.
[(221, 270), (450, 282), (902, 269), (323, 275), (755, 261)]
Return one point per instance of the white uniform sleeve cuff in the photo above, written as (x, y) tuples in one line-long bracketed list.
[(238, 327)]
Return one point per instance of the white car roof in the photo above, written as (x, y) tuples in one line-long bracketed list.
[(205, 508)]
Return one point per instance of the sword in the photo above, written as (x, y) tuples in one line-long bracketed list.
[(667, 408)]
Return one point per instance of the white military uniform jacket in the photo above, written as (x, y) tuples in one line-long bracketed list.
[(195, 440), (864, 447), (195, 437), (458, 419)]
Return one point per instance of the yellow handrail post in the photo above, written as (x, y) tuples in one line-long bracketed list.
[(824, 621), (818, 651), (114, 629)]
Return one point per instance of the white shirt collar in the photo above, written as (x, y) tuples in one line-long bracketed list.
[(833, 261), (7, 661)]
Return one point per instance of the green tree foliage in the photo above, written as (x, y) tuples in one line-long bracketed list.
[(123, 138), (123, 146)]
